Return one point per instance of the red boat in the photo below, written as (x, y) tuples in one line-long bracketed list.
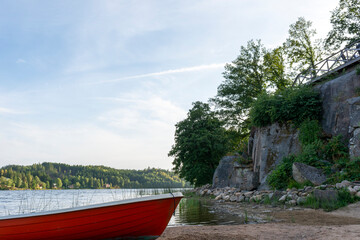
[(140, 218)]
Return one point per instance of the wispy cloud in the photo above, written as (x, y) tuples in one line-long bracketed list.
[(10, 111), (167, 72), (20, 60)]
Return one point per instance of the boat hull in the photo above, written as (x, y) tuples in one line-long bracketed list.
[(144, 218)]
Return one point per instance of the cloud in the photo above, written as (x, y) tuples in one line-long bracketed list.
[(167, 72), (20, 60), (145, 116), (10, 111)]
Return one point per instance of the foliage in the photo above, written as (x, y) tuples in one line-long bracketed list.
[(345, 20), (292, 104), (335, 149), (200, 142), (248, 76), (302, 50), (244, 81), (281, 176), (275, 73), (344, 198), (310, 131), (350, 170), (358, 70), (45, 175), (294, 184)]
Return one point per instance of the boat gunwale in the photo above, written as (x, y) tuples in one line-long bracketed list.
[(95, 206)]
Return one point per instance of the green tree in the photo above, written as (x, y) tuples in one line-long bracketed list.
[(276, 73), (253, 72), (200, 142), (58, 183), (244, 81), (345, 20), (302, 49)]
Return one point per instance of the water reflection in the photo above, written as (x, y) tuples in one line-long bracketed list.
[(198, 211)]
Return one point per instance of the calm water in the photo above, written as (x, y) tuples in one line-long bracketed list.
[(191, 211)]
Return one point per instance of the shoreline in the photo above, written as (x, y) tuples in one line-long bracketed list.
[(283, 223), (262, 231)]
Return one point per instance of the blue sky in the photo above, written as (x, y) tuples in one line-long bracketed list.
[(104, 82)]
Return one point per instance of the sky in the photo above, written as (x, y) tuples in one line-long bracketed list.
[(104, 82)]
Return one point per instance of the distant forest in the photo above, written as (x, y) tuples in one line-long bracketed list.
[(62, 176)]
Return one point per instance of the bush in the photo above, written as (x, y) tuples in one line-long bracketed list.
[(335, 150), (281, 176), (292, 104), (310, 131)]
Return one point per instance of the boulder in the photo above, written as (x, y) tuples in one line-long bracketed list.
[(269, 145), (276, 195), (343, 184), (240, 198), (283, 198), (301, 200), (230, 173), (302, 173), (325, 195)]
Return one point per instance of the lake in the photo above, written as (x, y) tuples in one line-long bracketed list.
[(191, 211)]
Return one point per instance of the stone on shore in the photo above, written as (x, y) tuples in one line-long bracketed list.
[(302, 173)]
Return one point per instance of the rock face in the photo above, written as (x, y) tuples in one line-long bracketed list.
[(302, 173), (230, 173), (341, 109), (269, 145)]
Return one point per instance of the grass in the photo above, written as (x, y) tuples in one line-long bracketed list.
[(344, 199), (294, 184)]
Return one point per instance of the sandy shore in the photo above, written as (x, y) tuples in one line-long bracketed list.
[(285, 224), (263, 231)]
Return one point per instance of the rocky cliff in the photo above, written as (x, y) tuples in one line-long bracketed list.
[(268, 145)]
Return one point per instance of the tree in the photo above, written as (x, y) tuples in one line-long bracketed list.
[(58, 183), (345, 20), (253, 72), (275, 70), (302, 50), (244, 80), (200, 143)]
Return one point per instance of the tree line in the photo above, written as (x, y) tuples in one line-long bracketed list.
[(63, 176), (223, 124)]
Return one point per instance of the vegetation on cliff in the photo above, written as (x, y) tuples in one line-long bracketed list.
[(292, 104), (58, 175), (329, 154)]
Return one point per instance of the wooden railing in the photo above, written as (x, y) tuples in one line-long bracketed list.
[(335, 62)]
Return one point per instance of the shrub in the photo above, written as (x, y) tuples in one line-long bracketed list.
[(310, 131), (335, 149), (292, 104), (310, 155), (280, 177), (352, 169)]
